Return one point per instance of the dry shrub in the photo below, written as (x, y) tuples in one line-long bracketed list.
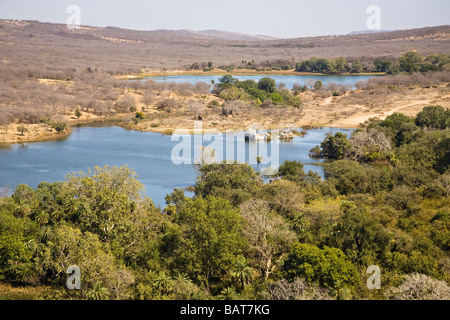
[(420, 287), (298, 289), (168, 105)]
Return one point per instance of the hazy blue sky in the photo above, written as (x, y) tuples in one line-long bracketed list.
[(281, 18)]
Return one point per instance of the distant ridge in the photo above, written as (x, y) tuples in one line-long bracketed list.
[(32, 44), (367, 32), (235, 36)]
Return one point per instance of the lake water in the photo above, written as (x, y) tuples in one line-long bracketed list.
[(149, 154), (288, 80)]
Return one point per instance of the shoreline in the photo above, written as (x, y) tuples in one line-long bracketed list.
[(241, 72), (162, 131)]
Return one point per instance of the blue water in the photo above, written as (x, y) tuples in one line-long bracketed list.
[(287, 80), (149, 154)]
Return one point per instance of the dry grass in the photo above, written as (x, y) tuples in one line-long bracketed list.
[(9, 292)]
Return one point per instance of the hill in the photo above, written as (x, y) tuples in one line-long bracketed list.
[(36, 45)]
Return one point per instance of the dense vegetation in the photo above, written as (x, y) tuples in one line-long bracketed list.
[(385, 202), (409, 62), (262, 93)]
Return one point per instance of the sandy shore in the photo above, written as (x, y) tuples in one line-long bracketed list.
[(345, 111), (35, 133)]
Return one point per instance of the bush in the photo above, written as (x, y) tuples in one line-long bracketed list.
[(348, 176), (267, 84), (59, 126), (276, 98), (140, 115), (326, 267), (168, 105), (335, 147), (434, 117)]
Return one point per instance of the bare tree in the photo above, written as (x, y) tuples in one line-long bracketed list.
[(268, 234), (168, 105), (148, 98), (298, 289), (418, 286), (196, 108), (125, 103), (372, 140)]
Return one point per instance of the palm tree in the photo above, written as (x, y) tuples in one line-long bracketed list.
[(227, 294), (22, 209), (98, 293), (242, 272), (340, 290), (163, 282), (45, 233), (41, 217), (182, 277)]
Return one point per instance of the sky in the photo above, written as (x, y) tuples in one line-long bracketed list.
[(278, 18)]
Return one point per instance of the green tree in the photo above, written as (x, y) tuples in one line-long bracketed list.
[(318, 85), (233, 181), (292, 170), (163, 282), (59, 126), (98, 293), (360, 237), (410, 61), (276, 98), (22, 129), (113, 206), (15, 254), (267, 84), (335, 147), (242, 272), (326, 267), (347, 176), (434, 117), (205, 239), (78, 113)]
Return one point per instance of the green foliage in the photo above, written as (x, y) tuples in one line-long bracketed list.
[(235, 182), (335, 147), (326, 267), (22, 129), (16, 233), (384, 201), (59, 126), (434, 117), (267, 84), (140, 115), (349, 176), (234, 93), (318, 85), (361, 238), (207, 239), (292, 170), (276, 98)]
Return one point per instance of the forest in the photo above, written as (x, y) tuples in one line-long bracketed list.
[(384, 201)]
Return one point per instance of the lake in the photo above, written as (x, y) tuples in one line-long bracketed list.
[(149, 154), (288, 80)]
